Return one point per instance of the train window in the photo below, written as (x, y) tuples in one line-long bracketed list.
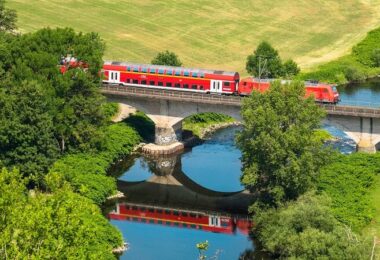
[(178, 73), (192, 215), (168, 84), (151, 210), (194, 86), (177, 85), (143, 82), (143, 220), (160, 83), (185, 225), (135, 81), (144, 70), (136, 69), (160, 71), (202, 75), (176, 224), (152, 83), (184, 214), (151, 221), (194, 74), (127, 207), (226, 84), (167, 223), (201, 87), (152, 71), (326, 90), (175, 213), (167, 211), (186, 73), (142, 208), (193, 226), (159, 221), (169, 72), (134, 207), (135, 219), (244, 83), (185, 85), (159, 211), (128, 68), (200, 227)]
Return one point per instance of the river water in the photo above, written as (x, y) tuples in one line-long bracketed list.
[(175, 202)]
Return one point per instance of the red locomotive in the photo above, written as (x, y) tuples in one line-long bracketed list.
[(212, 222), (324, 93)]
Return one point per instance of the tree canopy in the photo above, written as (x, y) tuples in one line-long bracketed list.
[(281, 159), (265, 62), (167, 58), (306, 229), (8, 18)]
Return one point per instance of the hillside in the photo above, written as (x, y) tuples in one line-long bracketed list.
[(210, 33)]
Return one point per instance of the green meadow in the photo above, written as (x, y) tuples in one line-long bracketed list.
[(209, 33)]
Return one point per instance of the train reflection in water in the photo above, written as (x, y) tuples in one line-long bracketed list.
[(206, 221)]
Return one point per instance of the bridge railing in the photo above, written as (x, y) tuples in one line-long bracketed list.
[(352, 110), (172, 94)]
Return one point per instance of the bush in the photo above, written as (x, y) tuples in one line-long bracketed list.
[(306, 229), (86, 172), (348, 181), (110, 109)]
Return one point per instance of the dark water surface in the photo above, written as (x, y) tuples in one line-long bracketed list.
[(361, 94)]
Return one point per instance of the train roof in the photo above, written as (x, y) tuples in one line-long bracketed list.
[(197, 70)]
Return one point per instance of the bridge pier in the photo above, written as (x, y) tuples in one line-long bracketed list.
[(166, 134)]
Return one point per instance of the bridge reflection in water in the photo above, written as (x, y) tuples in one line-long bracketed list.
[(169, 187), (167, 213)]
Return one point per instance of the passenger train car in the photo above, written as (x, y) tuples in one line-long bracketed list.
[(164, 77), (213, 222)]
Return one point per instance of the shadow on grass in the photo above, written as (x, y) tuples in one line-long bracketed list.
[(142, 124)]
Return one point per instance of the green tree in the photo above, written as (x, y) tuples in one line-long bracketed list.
[(281, 159), (8, 18), (265, 61), (167, 58), (290, 69), (306, 229), (26, 129), (62, 225)]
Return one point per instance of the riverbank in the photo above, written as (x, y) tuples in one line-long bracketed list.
[(362, 63)]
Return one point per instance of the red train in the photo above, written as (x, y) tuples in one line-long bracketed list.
[(212, 222), (200, 80), (194, 80)]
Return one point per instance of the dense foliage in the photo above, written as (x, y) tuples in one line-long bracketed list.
[(42, 111), (265, 62), (306, 229), (62, 225), (167, 58), (363, 62), (348, 180), (281, 159), (87, 172)]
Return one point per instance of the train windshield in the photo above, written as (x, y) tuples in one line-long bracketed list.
[(334, 89)]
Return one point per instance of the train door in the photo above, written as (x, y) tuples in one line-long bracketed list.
[(113, 76), (214, 221), (216, 86)]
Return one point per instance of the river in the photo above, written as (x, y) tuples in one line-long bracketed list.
[(361, 94), (175, 202)]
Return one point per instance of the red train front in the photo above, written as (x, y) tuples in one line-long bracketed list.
[(168, 77), (213, 222), (324, 93)]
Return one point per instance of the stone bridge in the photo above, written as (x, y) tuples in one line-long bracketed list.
[(167, 109)]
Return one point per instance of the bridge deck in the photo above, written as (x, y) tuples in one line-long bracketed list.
[(184, 96)]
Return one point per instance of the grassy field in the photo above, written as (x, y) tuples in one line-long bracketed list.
[(210, 33)]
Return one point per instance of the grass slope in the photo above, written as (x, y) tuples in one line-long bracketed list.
[(210, 33)]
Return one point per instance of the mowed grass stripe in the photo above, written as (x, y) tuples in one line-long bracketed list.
[(210, 33)]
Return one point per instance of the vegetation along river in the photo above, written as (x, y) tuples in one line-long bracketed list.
[(173, 203)]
